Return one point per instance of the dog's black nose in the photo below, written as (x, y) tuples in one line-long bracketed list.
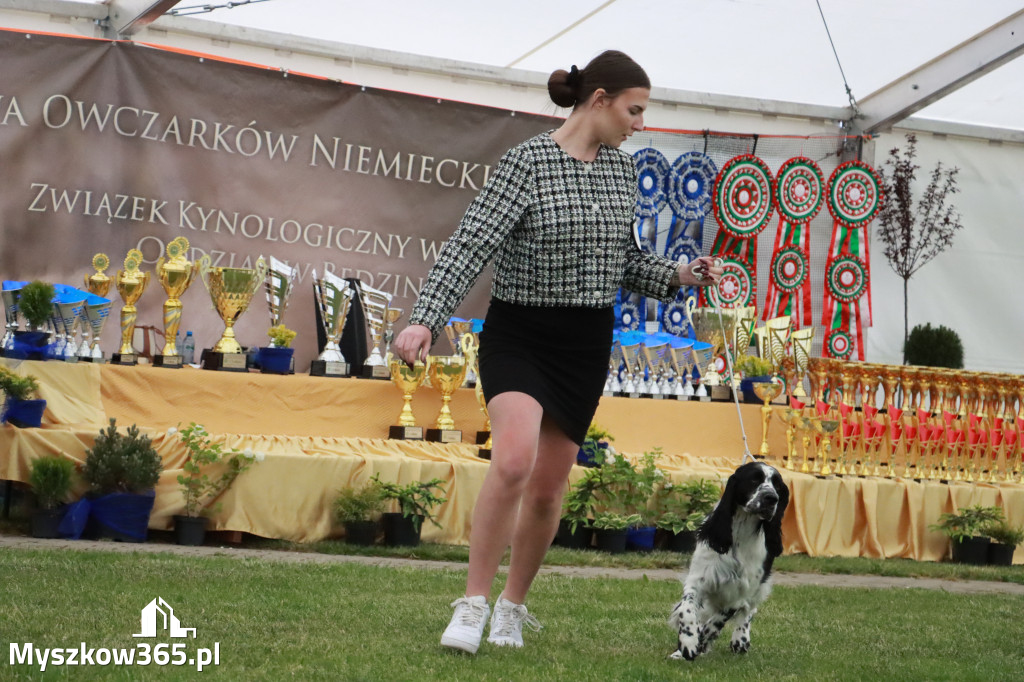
[(771, 497)]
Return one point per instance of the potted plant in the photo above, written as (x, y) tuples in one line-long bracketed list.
[(416, 502), (359, 510), (50, 478), (618, 489), (1005, 539), (198, 487), (612, 529), (277, 357), (22, 407), (966, 530), (752, 369), (36, 306), (595, 446), (682, 508), (121, 470), (574, 530)]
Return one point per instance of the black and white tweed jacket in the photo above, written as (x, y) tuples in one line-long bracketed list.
[(560, 233)]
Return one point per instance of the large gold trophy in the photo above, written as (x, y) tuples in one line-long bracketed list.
[(766, 391), (447, 372), (407, 379), (131, 283), (175, 273), (231, 290)]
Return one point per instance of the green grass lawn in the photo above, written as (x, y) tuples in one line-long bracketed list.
[(276, 621)]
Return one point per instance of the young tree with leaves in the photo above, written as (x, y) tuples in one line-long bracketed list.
[(913, 236)]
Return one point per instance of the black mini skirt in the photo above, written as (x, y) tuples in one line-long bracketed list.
[(558, 355)]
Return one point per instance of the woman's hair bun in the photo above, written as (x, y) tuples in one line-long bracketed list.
[(563, 87)]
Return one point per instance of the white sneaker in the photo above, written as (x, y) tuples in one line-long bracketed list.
[(507, 623), (467, 624)]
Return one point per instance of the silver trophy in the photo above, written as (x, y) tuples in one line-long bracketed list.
[(69, 314), (612, 384), (679, 357), (10, 298), (97, 310), (334, 296), (375, 307), (703, 358), (657, 362), (631, 356), (280, 279)]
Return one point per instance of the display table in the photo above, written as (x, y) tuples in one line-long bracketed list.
[(322, 434)]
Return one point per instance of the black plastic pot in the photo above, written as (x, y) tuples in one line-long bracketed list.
[(190, 530), (400, 531), (972, 551), (45, 522), (1000, 554), (361, 532), (684, 541), (611, 541), (579, 540)]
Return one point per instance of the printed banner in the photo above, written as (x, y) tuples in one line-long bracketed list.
[(110, 146)]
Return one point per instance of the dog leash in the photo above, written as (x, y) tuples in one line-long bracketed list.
[(700, 272)]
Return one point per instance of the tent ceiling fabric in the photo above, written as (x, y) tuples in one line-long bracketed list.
[(771, 49)]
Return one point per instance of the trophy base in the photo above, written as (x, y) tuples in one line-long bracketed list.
[(701, 398), (124, 359), (405, 433), (376, 372), (99, 360), (70, 358), (444, 435), (485, 453), (325, 368), (482, 437), (172, 361), (225, 362), (720, 392)]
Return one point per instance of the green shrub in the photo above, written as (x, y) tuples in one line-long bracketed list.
[(415, 499), (50, 478), (16, 386), (359, 504), (934, 347), (121, 463), (1005, 534), (970, 522), (36, 303)]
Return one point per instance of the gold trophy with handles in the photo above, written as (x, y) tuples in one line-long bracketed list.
[(407, 379), (231, 290), (447, 373), (131, 283), (470, 345), (175, 273)]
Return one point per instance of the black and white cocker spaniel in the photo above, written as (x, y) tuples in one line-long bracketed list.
[(731, 568)]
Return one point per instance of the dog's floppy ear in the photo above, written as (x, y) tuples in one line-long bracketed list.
[(717, 528), (773, 528)]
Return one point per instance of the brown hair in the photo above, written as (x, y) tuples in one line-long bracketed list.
[(611, 70)]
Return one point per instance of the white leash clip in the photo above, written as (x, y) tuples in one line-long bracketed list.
[(700, 271)]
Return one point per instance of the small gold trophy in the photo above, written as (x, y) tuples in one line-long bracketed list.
[(455, 330), (175, 273), (99, 282), (447, 372), (334, 297), (767, 391), (391, 318), (802, 340), (231, 290), (131, 283), (407, 379), (470, 345)]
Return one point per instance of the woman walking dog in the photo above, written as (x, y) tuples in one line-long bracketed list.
[(556, 217)]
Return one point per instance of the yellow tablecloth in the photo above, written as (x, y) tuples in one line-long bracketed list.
[(322, 434)]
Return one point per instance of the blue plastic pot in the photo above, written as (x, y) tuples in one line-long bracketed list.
[(640, 539), (23, 413), (275, 360)]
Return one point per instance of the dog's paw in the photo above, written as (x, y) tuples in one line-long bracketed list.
[(740, 645)]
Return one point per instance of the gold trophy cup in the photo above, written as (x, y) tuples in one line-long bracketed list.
[(767, 391), (447, 372), (469, 346), (175, 274), (231, 291), (131, 283), (407, 379)]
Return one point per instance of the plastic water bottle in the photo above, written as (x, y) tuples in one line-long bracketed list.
[(188, 349)]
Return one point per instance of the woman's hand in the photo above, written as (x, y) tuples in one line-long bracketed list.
[(702, 272), (413, 343)]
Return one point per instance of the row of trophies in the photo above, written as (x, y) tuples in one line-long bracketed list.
[(231, 291), (663, 365), (896, 421)]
